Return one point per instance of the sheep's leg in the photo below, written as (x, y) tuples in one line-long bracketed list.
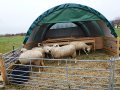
[(59, 62), (38, 63), (75, 60), (47, 55), (79, 52), (70, 60), (42, 64), (40, 67), (74, 56), (85, 52)]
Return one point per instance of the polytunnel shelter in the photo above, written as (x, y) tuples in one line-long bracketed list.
[(68, 20)]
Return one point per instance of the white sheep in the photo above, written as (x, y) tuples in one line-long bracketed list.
[(81, 46), (34, 53), (63, 51)]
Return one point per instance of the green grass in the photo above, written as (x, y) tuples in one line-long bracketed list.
[(7, 43), (117, 30)]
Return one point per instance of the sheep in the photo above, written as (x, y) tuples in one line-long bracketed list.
[(34, 53), (81, 45), (63, 51)]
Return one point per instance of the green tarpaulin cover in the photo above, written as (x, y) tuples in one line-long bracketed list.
[(68, 13)]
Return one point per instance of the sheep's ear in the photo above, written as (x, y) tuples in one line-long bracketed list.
[(18, 62), (57, 45), (40, 44)]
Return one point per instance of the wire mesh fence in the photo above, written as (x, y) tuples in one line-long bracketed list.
[(85, 74)]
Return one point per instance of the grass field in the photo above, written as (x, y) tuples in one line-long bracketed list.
[(118, 31), (7, 43)]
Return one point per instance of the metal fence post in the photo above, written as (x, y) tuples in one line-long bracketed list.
[(111, 78), (69, 88)]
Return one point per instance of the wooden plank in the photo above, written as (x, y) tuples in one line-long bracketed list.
[(60, 43), (118, 52), (112, 50), (116, 45), (58, 39), (110, 38), (1, 79), (83, 39), (67, 39), (86, 41), (3, 70)]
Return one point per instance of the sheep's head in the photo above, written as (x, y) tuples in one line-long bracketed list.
[(40, 44), (88, 48), (56, 45), (47, 49)]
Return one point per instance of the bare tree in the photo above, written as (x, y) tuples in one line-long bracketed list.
[(117, 22)]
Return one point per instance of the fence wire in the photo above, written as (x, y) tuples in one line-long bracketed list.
[(85, 74)]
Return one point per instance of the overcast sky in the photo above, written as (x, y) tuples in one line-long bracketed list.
[(16, 16)]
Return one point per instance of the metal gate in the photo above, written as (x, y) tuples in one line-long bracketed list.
[(85, 74)]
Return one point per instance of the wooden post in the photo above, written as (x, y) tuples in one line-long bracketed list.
[(118, 42), (3, 70)]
